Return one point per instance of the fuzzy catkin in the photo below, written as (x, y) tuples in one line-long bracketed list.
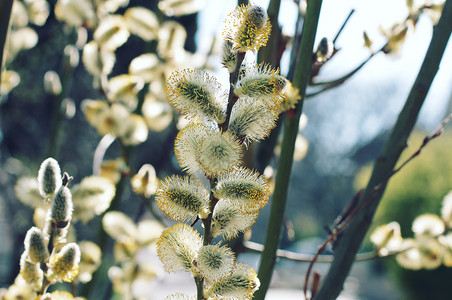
[(61, 210), (49, 177), (36, 246)]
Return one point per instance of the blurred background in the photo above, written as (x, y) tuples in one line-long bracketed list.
[(345, 128)]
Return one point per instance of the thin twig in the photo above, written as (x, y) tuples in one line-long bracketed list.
[(343, 26), (195, 221), (318, 64), (232, 98), (141, 98), (207, 222), (336, 82), (315, 284), (305, 258), (342, 225)]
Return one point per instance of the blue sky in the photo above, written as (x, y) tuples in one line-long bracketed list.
[(370, 101)]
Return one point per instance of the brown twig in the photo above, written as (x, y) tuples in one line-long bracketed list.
[(334, 83), (317, 65), (232, 98), (315, 284)]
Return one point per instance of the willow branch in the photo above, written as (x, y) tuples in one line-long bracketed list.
[(301, 79), (336, 82), (232, 97), (344, 221), (323, 258), (352, 237), (343, 26)]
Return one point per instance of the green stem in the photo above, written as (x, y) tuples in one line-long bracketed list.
[(141, 98), (5, 15), (301, 79), (207, 238), (352, 237), (53, 227), (45, 286), (199, 287), (208, 221), (45, 282)]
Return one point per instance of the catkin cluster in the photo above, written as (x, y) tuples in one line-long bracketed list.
[(51, 255), (48, 258), (431, 245), (220, 124)]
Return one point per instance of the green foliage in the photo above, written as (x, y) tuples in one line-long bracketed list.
[(421, 186), (418, 189)]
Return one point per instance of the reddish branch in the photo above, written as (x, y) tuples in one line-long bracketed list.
[(344, 220)]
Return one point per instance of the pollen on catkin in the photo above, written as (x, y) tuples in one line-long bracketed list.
[(229, 221), (241, 283), (65, 264), (291, 97), (183, 198), (247, 27), (247, 190), (186, 146), (179, 296), (195, 93), (220, 152), (36, 246), (57, 295), (214, 262), (228, 56), (49, 177), (263, 83), (252, 119), (31, 272), (178, 246)]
